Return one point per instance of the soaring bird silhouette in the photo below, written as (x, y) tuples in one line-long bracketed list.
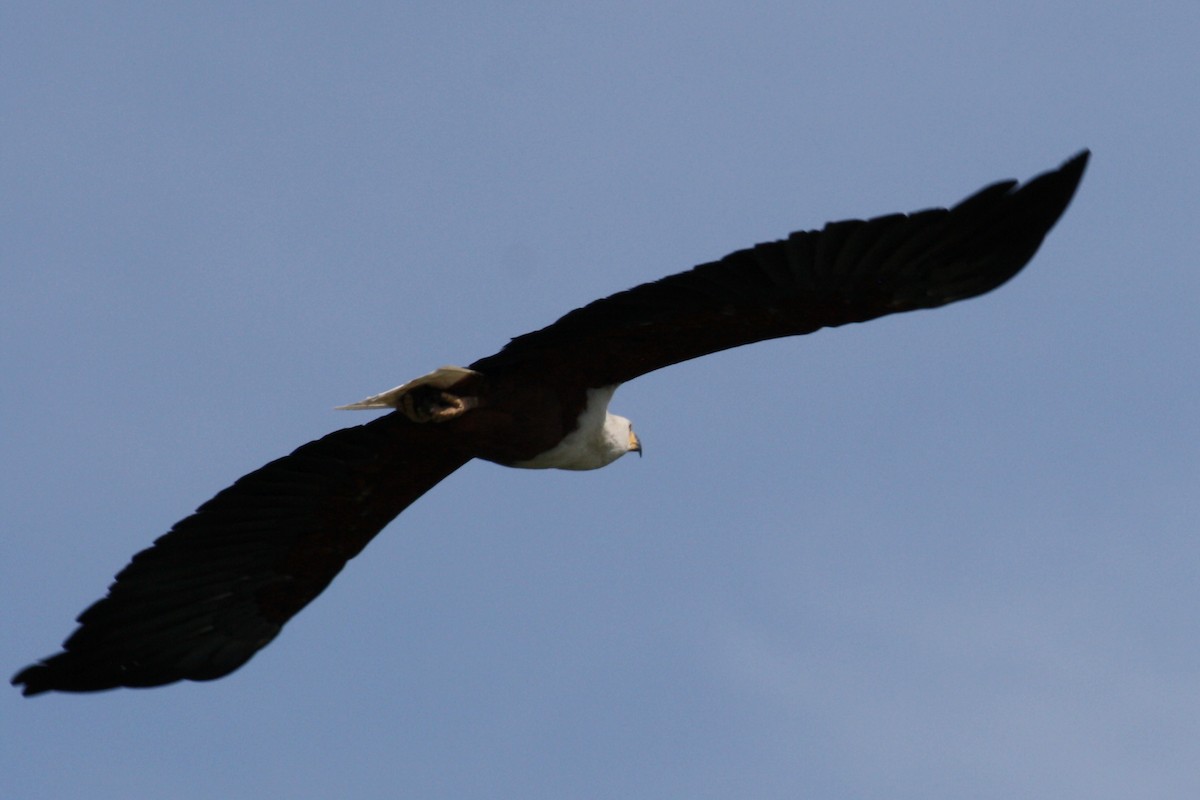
[(206, 596)]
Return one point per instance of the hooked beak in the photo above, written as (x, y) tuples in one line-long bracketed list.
[(635, 444)]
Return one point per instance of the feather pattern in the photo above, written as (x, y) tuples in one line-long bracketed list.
[(218, 587), (849, 271)]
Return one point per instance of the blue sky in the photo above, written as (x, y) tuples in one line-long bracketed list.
[(941, 555)]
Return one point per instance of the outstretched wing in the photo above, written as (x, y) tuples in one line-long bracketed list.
[(219, 586), (848, 271)]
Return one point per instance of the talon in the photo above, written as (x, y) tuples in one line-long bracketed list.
[(427, 404)]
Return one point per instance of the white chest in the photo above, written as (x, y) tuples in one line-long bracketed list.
[(596, 441)]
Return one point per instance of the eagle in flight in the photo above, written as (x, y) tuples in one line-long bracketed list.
[(219, 586)]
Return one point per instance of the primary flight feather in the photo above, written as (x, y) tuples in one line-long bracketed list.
[(219, 586)]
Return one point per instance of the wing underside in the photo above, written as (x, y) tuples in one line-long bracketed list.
[(205, 597), (849, 271)]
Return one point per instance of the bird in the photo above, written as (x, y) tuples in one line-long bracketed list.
[(220, 584)]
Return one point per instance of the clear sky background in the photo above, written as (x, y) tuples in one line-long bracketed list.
[(942, 555)]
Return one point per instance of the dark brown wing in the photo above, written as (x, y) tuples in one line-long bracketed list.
[(849, 271), (219, 586)]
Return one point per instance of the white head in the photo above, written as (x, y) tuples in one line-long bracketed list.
[(619, 438)]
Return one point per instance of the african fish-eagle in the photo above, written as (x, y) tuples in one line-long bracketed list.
[(219, 586)]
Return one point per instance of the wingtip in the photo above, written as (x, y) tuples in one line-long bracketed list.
[(65, 672), (1068, 177), (1076, 164), (33, 680), (1052, 191)]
